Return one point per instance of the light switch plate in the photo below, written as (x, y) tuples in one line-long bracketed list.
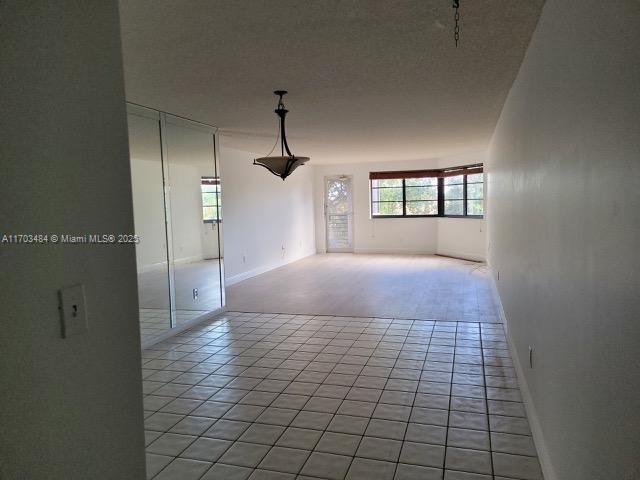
[(73, 310)]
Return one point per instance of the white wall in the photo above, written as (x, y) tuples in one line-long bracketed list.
[(262, 214), (448, 236), (71, 408), (462, 238), (564, 231), (148, 207), (186, 211)]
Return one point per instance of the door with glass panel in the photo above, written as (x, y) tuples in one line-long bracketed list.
[(339, 214)]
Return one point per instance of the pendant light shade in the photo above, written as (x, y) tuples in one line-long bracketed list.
[(282, 166)]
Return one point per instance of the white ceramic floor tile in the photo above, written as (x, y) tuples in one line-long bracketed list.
[(268, 396)]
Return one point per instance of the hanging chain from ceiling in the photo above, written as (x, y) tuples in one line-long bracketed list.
[(456, 17)]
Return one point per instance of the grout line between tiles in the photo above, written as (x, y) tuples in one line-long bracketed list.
[(257, 322)]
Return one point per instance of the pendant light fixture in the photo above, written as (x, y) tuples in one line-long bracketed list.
[(281, 166)]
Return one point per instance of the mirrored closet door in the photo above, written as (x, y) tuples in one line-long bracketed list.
[(194, 196), (178, 218)]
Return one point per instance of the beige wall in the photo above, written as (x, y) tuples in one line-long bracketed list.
[(564, 231), (71, 408)]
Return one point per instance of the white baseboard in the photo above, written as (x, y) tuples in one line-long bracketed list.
[(160, 265), (152, 267), (412, 251), (194, 258), (534, 420), (263, 269), (476, 257), (394, 251)]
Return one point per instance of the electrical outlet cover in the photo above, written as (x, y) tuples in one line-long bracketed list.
[(73, 310)]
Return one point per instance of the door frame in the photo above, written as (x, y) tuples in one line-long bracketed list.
[(327, 178)]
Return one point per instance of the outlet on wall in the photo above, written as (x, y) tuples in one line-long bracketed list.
[(497, 274), (530, 356), (73, 310)]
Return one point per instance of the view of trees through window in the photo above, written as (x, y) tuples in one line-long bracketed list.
[(210, 187), (457, 195), (475, 194)]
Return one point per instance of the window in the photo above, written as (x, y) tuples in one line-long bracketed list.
[(475, 195), (421, 196), (387, 197), (210, 187), (454, 195), (451, 192), (404, 197)]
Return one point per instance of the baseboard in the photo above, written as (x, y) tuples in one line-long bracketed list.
[(532, 415), (160, 265), (193, 258), (152, 267), (228, 281), (475, 257), (394, 251)]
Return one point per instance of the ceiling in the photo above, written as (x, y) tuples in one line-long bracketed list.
[(369, 80)]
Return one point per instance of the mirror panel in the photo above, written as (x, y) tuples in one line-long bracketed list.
[(149, 222), (178, 218), (194, 195)]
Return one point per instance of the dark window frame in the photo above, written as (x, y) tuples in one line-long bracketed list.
[(441, 175), (404, 200)]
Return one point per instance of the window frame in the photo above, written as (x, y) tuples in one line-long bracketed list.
[(404, 201), (440, 175), (466, 197), (216, 182)]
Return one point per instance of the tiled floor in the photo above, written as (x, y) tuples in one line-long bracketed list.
[(428, 287), (155, 321), (267, 396)]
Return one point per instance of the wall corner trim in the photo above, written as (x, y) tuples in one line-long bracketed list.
[(534, 422)]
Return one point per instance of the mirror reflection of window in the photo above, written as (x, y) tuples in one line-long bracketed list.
[(210, 187)]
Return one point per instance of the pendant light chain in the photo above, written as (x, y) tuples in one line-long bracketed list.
[(456, 17)]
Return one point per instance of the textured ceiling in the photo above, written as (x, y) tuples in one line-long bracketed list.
[(369, 80)]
